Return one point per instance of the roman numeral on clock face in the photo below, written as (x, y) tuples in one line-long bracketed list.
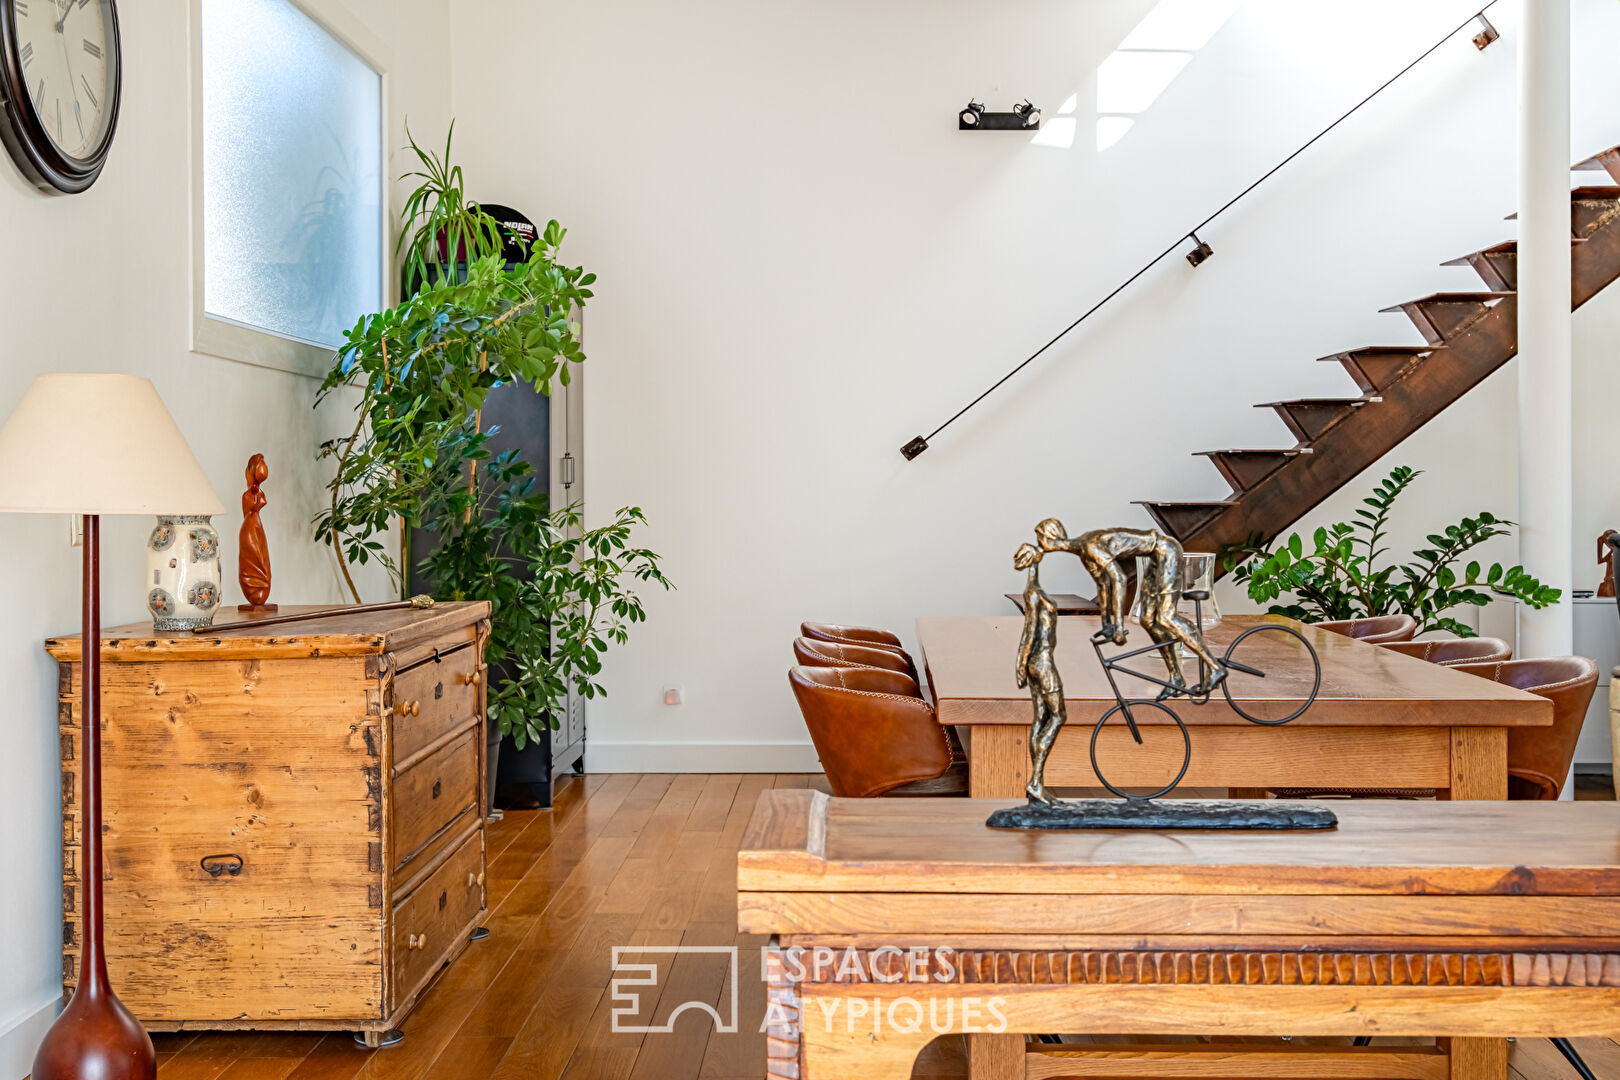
[(93, 49), (21, 6), (90, 92), (27, 53)]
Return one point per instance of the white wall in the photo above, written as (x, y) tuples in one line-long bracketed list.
[(803, 264), (99, 282)]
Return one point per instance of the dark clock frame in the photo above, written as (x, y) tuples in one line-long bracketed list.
[(24, 134)]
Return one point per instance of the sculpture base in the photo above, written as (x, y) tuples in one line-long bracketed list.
[(257, 609), (1174, 814)]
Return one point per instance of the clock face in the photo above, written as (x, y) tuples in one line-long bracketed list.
[(67, 52), (59, 88)]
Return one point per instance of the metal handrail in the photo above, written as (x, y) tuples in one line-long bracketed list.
[(1202, 251)]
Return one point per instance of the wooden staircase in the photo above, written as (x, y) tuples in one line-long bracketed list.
[(1468, 335)]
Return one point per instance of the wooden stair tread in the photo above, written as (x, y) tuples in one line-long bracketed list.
[(1385, 350), (1507, 247), (1321, 403), (1375, 367), (1510, 247), (1243, 469), (1449, 298), (1595, 162), (1289, 452)]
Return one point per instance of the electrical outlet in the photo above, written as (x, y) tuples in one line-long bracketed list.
[(75, 530)]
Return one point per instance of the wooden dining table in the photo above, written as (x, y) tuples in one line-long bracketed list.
[(1380, 720)]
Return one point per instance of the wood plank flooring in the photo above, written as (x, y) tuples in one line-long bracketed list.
[(642, 861)]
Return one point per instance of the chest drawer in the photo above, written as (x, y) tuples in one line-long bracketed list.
[(429, 920), (433, 699), (432, 793)]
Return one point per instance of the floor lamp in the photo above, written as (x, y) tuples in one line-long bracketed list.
[(93, 445)]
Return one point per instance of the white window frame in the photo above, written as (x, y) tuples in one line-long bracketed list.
[(227, 339)]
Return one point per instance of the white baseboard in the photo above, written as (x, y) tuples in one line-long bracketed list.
[(22, 1036), (687, 757)]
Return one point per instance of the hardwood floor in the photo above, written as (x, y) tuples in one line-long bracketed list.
[(623, 860)]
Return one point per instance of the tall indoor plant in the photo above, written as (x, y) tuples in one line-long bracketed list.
[(418, 456), (1341, 577)]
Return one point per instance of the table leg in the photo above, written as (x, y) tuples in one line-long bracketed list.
[(864, 1054), (998, 761), (996, 1057), (1478, 771), (1479, 1059), (1478, 763)]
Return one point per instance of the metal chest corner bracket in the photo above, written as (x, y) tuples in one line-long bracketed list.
[(1174, 636)]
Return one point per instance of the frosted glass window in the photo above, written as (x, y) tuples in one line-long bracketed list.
[(292, 148)]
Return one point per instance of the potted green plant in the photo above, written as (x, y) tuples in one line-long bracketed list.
[(1341, 576), (417, 456)]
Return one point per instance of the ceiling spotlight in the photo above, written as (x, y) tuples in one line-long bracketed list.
[(1487, 32), (1030, 114), (1199, 253), (969, 117)]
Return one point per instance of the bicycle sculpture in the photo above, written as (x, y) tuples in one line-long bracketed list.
[(1174, 637)]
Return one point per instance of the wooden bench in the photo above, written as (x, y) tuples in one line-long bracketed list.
[(1467, 921)]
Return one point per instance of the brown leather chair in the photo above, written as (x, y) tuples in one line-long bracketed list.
[(854, 635), (809, 652), (873, 737), (1539, 757), (870, 637), (1449, 652), (1376, 630)]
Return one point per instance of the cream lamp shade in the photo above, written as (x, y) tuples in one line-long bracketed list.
[(98, 444)]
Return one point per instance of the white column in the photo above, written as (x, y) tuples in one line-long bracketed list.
[(1546, 496)]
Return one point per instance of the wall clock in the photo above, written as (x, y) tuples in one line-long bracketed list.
[(60, 72)]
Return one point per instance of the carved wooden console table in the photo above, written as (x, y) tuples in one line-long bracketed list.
[(900, 920)]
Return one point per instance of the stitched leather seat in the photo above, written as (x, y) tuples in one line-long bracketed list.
[(809, 652), (854, 635), (1538, 758), (1449, 652), (1376, 630), (873, 737), (870, 637)]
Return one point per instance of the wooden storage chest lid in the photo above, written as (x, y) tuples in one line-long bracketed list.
[(360, 634)]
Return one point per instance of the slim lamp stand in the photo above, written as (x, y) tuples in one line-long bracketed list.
[(95, 1038)]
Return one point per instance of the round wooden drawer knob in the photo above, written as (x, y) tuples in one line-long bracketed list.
[(408, 708), (416, 941)]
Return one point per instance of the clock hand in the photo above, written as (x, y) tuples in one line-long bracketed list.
[(66, 11)]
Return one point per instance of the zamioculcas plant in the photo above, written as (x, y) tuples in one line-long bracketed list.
[(1342, 575)]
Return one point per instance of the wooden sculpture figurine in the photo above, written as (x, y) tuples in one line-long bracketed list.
[(1606, 548), (1037, 669), (253, 553)]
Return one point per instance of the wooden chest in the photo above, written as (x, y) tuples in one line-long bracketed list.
[(294, 817)]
